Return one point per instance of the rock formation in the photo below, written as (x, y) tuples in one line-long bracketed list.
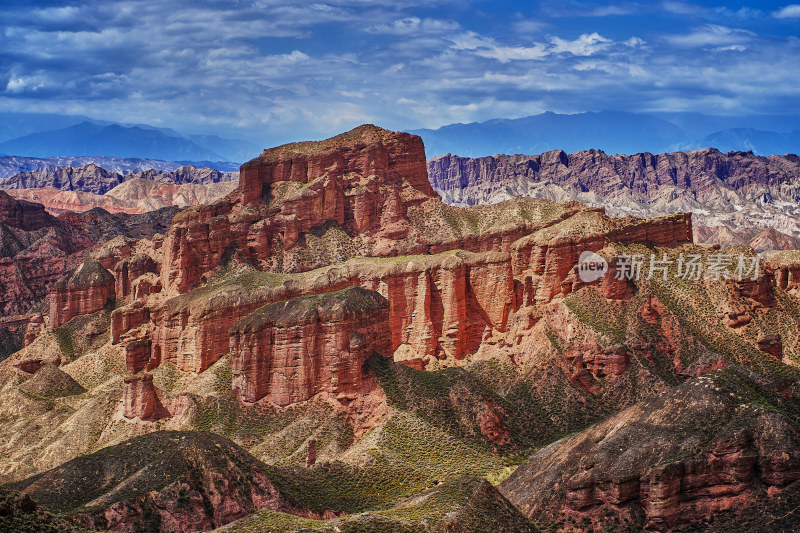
[(94, 179), (187, 481), (289, 351), (128, 270), (135, 195), (23, 215), (738, 198), (89, 288), (334, 299), (139, 397), (630, 471)]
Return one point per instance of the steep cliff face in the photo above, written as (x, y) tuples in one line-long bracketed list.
[(89, 288), (363, 181), (290, 351), (127, 271), (35, 251), (23, 215), (631, 472), (348, 158), (739, 198)]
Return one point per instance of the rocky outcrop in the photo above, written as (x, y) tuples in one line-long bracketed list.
[(137, 355), (89, 288), (738, 198), (347, 159), (139, 397), (129, 269), (786, 267), (363, 181), (21, 214), (771, 344), (442, 306), (632, 472), (545, 260), (132, 196), (94, 179), (168, 481), (289, 351)]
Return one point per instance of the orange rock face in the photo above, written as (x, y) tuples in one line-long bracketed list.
[(364, 181), (84, 291), (289, 351), (545, 260)]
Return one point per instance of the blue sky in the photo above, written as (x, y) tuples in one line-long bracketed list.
[(275, 71)]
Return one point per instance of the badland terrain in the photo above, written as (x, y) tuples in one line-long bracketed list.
[(332, 346)]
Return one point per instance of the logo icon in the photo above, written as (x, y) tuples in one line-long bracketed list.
[(591, 267)]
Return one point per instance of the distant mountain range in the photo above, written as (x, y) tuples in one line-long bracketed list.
[(616, 132), (10, 165), (735, 198), (50, 135)]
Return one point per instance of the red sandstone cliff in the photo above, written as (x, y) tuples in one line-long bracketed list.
[(441, 306), (22, 214), (89, 288), (289, 351), (631, 471)]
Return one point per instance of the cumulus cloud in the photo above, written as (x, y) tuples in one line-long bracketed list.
[(277, 70)]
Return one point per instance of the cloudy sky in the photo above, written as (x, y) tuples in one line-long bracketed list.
[(274, 71)]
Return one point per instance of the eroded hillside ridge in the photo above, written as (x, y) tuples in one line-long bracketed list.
[(313, 218), (737, 197), (95, 179), (350, 326)]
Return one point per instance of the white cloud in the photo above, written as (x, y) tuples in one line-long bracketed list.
[(682, 8), (790, 11), (731, 48), (528, 26), (605, 11), (414, 25), (489, 48), (280, 71), (711, 35), (585, 45)]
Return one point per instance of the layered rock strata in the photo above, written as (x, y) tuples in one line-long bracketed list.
[(739, 198), (89, 288), (289, 351), (631, 472)]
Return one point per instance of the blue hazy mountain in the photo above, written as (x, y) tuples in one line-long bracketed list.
[(615, 132), (13, 125), (51, 135)]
